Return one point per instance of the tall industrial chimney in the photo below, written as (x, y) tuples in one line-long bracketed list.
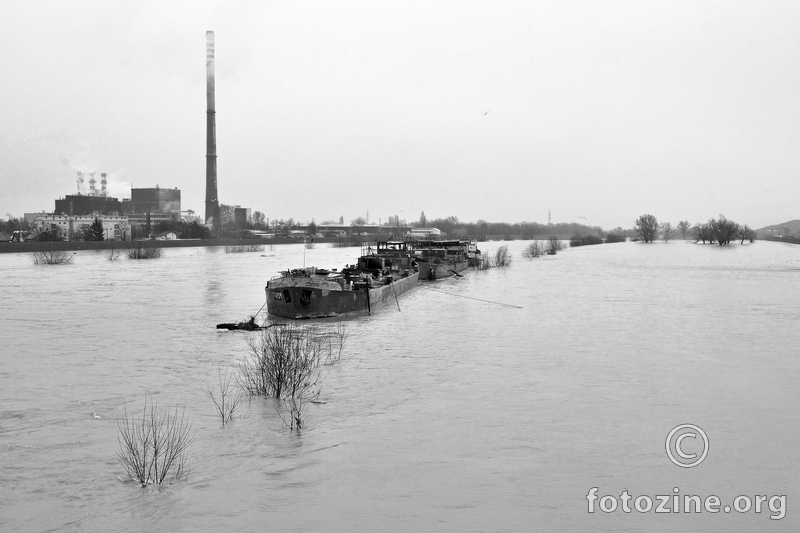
[(212, 203)]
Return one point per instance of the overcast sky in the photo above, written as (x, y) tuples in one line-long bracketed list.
[(482, 110)]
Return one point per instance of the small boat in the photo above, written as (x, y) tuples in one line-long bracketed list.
[(383, 272)]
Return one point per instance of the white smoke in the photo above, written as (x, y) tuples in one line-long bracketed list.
[(117, 186)]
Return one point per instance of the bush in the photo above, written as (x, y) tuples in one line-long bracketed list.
[(614, 237), (501, 258), (52, 257), (113, 253), (153, 445), (138, 249), (585, 240), (244, 248), (226, 402), (533, 250), (554, 244), (284, 362), (345, 242)]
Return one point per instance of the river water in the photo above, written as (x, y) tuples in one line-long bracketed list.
[(451, 414)]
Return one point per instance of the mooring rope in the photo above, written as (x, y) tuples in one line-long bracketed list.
[(471, 298), (395, 296), (262, 307)]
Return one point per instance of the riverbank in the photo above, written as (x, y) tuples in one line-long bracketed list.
[(24, 247), (789, 240)]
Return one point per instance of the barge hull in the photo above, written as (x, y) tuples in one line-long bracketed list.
[(315, 302)]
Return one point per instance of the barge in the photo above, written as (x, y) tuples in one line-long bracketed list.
[(384, 271)]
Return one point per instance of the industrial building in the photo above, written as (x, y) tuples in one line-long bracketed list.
[(79, 204), (241, 216), (162, 205), (154, 200), (115, 228)]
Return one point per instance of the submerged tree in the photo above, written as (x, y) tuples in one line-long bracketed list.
[(702, 232), (746, 232), (153, 444), (667, 231), (683, 227), (723, 230), (646, 227)]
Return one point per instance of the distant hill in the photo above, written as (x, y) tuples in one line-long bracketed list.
[(785, 228)]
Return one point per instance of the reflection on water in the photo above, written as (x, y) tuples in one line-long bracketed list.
[(448, 415)]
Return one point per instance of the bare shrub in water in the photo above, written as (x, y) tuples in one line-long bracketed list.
[(52, 257), (346, 242), (138, 249), (502, 257), (534, 250), (153, 445), (284, 362), (335, 338), (227, 400), (554, 245), (246, 248), (113, 253)]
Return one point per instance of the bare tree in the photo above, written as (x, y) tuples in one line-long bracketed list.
[(667, 230), (113, 253), (153, 445), (226, 401), (723, 230), (683, 227), (647, 227), (51, 257), (284, 362), (702, 232), (554, 245), (139, 249), (294, 408), (533, 250), (746, 232)]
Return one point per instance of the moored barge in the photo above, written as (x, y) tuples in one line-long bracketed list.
[(383, 272)]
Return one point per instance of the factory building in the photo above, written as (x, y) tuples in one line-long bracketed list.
[(79, 205), (162, 205), (241, 216)]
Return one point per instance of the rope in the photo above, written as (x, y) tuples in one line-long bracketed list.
[(470, 298), (262, 307), (395, 296)]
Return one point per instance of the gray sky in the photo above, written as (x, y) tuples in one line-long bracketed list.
[(605, 110)]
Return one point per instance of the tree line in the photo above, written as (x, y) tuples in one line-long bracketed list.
[(721, 230)]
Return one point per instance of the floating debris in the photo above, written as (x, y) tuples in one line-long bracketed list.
[(249, 325)]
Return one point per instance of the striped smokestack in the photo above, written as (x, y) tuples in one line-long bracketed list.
[(212, 203)]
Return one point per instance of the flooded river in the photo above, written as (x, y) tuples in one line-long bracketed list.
[(451, 414)]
